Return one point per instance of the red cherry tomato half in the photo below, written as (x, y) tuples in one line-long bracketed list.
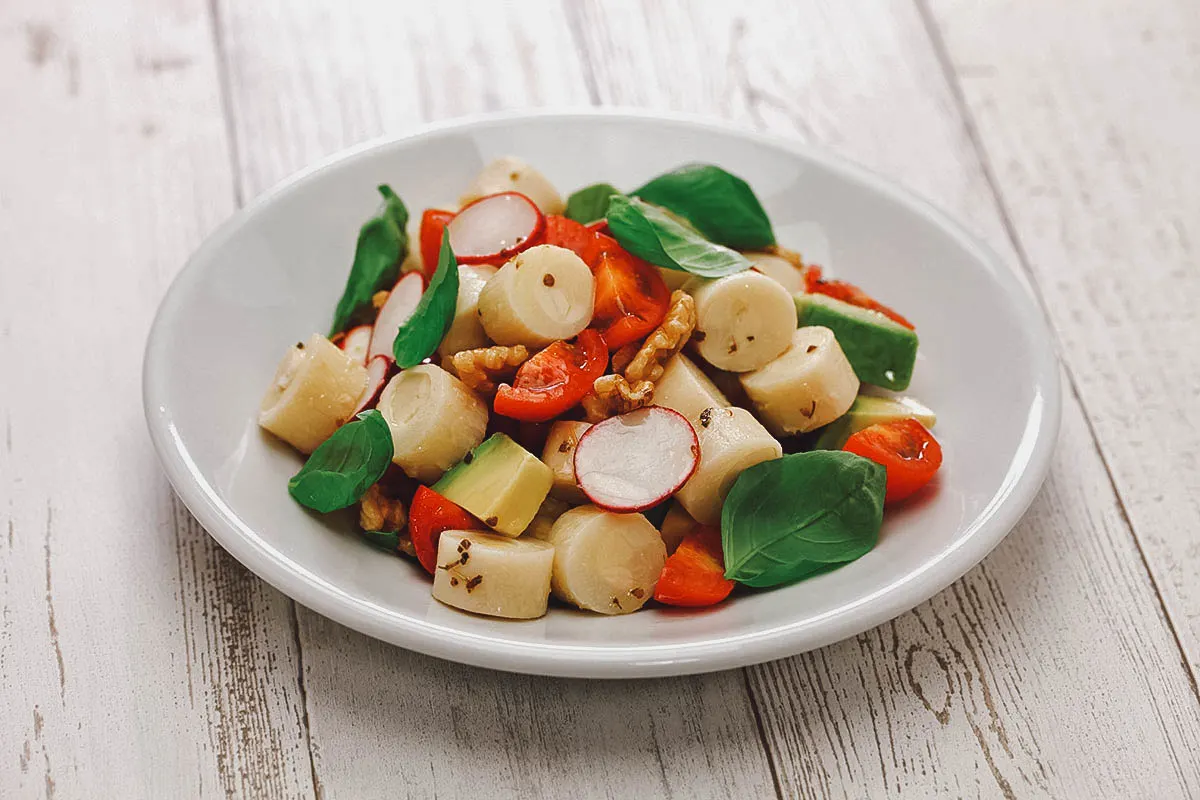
[(631, 297), (694, 574), (849, 293), (429, 515), (433, 222), (554, 380), (909, 452), (574, 236)]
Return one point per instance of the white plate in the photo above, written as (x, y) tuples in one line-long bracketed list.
[(272, 274)]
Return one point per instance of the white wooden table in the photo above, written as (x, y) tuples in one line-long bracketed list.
[(138, 660)]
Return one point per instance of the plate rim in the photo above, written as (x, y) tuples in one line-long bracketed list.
[(984, 533)]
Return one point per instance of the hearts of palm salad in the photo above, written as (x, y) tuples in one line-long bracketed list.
[(624, 398)]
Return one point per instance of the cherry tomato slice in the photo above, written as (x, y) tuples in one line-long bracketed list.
[(631, 297), (905, 448), (554, 380), (694, 574), (574, 236), (849, 293), (433, 222), (429, 515)]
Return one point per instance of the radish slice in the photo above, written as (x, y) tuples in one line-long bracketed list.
[(494, 228), (377, 373), (357, 342), (635, 461), (395, 312)]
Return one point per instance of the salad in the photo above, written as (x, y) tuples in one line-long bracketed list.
[(622, 398)]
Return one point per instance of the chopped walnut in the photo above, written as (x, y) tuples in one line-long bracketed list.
[(480, 369), (612, 395), (405, 545), (665, 341), (378, 512), (624, 356)]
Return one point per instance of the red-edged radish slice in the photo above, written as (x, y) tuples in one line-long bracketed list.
[(377, 374), (494, 228), (635, 461), (357, 342), (395, 312)]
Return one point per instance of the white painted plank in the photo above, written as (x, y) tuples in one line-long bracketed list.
[(1090, 129), (137, 659), (1018, 680), (385, 721)]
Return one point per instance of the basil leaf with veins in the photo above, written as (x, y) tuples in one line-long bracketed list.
[(719, 204), (590, 203), (805, 513), (652, 234), (382, 245), (344, 466), (421, 334)]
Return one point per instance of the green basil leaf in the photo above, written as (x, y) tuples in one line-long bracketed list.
[(650, 233), (384, 540), (590, 203), (423, 332), (382, 245), (721, 206), (339, 472), (790, 518)]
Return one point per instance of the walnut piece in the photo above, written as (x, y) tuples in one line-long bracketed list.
[(623, 357), (480, 369), (665, 341), (612, 395), (378, 512)]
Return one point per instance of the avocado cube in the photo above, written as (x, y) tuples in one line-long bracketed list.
[(499, 482)]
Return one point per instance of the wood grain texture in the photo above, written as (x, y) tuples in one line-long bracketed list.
[(385, 721), (137, 659), (1008, 683), (1089, 129)]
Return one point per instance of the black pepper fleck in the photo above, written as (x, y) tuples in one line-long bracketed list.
[(454, 581), (469, 457), (812, 348), (706, 417), (638, 592), (491, 521), (732, 348), (810, 411), (749, 338), (473, 582), (547, 279), (565, 447), (698, 336)]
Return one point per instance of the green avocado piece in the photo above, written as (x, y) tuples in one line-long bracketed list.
[(499, 482), (870, 410), (882, 352)]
